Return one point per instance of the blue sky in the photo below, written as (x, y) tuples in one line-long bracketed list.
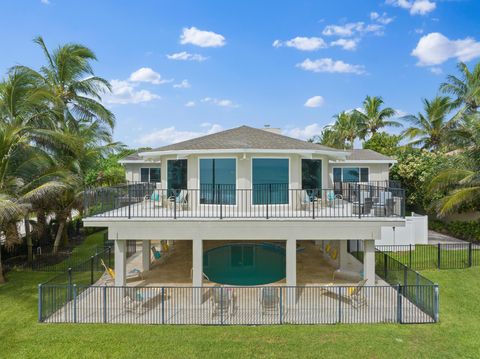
[(185, 68)]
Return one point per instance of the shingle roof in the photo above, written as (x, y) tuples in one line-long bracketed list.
[(132, 157), (367, 155), (244, 137)]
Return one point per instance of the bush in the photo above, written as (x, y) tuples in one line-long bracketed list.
[(468, 231)]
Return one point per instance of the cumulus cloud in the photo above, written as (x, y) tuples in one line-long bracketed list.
[(415, 7), (302, 43), (190, 104), (315, 101), (346, 44), (45, 2), (353, 28), (435, 49), (183, 85), (171, 134), (220, 102), (331, 66), (436, 70), (124, 92), (146, 74), (381, 18), (304, 133), (201, 38), (186, 56)]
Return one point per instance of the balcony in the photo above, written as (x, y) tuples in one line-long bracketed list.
[(263, 202)]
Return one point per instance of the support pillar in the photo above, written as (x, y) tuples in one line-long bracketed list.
[(120, 262), (146, 255), (343, 261), (197, 262), (291, 262), (369, 261)]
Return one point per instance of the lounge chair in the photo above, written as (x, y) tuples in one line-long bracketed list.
[(363, 204), (306, 199), (134, 273), (222, 300), (351, 294), (384, 204), (156, 199), (269, 299), (180, 200), (334, 200), (140, 300)]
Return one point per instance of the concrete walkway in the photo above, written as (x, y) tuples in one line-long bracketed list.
[(436, 237)]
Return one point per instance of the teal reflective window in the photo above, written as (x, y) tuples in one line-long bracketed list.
[(217, 180), (312, 177), (176, 175), (270, 180)]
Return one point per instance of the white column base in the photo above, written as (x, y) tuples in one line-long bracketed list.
[(146, 256), (197, 262), (120, 262), (369, 261)]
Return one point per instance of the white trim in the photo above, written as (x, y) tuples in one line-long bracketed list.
[(139, 161), (364, 161), (340, 154)]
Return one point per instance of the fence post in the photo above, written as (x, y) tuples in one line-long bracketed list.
[(174, 204), (313, 206), (129, 201), (268, 196), (69, 274), (339, 304), (405, 276), (74, 303), (221, 305), (110, 257), (163, 305), (220, 201), (105, 303), (281, 305), (410, 256), (470, 254), (40, 302), (438, 256), (436, 302), (91, 269), (385, 265), (399, 303), (359, 200)]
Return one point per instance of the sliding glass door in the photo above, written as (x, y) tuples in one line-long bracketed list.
[(176, 175), (312, 177), (270, 179), (218, 178)]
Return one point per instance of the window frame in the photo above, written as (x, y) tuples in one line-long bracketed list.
[(217, 158), (359, 168), (270, 158), (150, 174)]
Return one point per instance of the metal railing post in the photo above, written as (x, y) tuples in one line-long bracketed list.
[(74, 303), (129, 201), (174, 204), (405, 275), (470, 254), (339, 305), (438, 255), (410, 256), (359, 199), (220, 201), (268, 196), (163, 305), (313, 206), (105, 303), (281, 305), (436, 302), (399, 304), (221, 305), (385, 265), (40, 302), (110, 257)]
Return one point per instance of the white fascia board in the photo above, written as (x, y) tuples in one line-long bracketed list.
[(364, 161), (335, 154), (137, 161)]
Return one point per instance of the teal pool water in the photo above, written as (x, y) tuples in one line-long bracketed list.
[(245, 263)]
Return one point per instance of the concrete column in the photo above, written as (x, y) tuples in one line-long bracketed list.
[(343, 255), (145, 256), (369, 261), (120, 262), (197, 262), (291, 262)]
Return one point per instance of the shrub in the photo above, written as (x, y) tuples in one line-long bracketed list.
[(468, 231)]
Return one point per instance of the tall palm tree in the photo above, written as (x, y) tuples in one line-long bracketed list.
[(466, 87), (373, 118), (329, 137), (461, 185), (347, 127), (431, 129)]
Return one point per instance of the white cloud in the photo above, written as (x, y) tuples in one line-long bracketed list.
[(186, 56), (220, 102), (382, 19), (302, 43), (346, 44), (415, 7), (45, 2), (190, 104), (124, 92), (170, 135), (352, 28), (183, 85), (419, 31), (304, 133), (315, 101), (436, 70), (332, 66), (435, 49), (201, 38), (146, 74)]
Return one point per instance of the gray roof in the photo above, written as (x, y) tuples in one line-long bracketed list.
[(244, 137), (367, 155), (132, 157)]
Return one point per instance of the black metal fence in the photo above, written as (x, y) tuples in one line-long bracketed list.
[(234, 305), (406, 280), (135, 200), (440, 256)]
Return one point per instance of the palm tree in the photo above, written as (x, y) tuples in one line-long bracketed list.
[(348, 128), (461, 185), (466, 87), (372, 118), (431, 129), (329, 137)]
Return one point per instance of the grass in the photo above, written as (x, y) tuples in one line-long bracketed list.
[(456, 336)]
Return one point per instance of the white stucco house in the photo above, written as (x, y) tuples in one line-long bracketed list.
[(256, 187)]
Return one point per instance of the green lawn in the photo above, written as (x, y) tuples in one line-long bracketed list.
[(456, 336)]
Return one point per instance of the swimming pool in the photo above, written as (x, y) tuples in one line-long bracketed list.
[(245, 263)]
